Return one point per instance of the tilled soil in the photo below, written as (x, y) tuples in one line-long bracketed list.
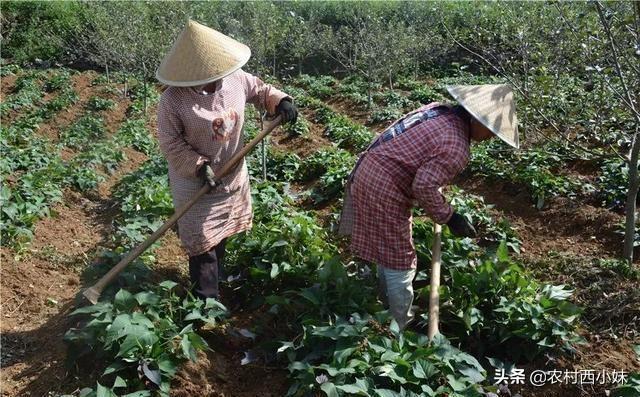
[(40, 286)]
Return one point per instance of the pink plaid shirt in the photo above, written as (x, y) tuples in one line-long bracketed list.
[(392, 176)]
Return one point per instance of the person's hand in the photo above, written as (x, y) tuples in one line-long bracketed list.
[(460, 227), (206, 174), (288, 111)]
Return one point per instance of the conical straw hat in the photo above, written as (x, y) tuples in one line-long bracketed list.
[(493, 106), (201, 55)]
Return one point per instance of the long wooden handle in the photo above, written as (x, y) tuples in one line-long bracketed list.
[(434, 296), (93, 293)]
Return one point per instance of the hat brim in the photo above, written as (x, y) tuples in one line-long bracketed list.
[(241, 63), (515, 143)]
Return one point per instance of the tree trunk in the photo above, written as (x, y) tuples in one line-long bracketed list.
[(144, 88), (632, 195), (273, 64), (106, 67), (299, 66), (264, 160)]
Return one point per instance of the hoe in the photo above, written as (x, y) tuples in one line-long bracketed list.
[(93, 293)]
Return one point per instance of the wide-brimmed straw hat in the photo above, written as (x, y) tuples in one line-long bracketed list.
[(201, 55), (493, 106)]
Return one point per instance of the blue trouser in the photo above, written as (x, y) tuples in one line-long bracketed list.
[(396, 292)]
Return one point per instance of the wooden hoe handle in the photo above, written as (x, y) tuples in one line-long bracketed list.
[(434, 296), (93, 293)]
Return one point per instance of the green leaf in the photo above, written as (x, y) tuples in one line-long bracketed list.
[(124, 300), (455, 384), (102, 391), (353, 389), (146, 298), (387, 393), (114, 367), (141, 393), (168, 284), (423, 369), (119, 382), (329, 389), (187, 348), (503, 252), (275, 270)]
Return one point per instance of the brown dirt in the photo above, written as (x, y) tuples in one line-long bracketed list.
[(357, 113), (599, 356), (39, 286), (132, 162), (38, 294), (7, 84), (221, 375), (82, 86), (302, 146), (563, 244), (563, 226)]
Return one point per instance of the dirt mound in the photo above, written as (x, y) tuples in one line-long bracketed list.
[(82, 86), (564, 225), (302, 146), (221, 375)]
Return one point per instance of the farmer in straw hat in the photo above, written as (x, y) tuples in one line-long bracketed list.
[(409, 162), (200, 118)]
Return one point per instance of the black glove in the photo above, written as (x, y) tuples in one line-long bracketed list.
[(460, 227), (288, 111), (206, 174)]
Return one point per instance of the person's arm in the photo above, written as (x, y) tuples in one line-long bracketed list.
[(182, 156), (262, 95), (437, 171)]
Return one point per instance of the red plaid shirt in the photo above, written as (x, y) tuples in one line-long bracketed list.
[(410, 167)]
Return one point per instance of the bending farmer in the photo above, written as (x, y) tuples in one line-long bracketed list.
[(200, 118), (408, 163)]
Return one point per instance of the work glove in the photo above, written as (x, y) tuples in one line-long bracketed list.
[(206, 174), (288, 111), (460, 227)]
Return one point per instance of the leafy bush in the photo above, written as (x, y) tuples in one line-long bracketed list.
[(534, 168), (134, 133), (321, 161), (496, 303), (331, 183), (282, 166), (320, 87), (283, 240), (143, 337), (393, 99), (83, 132), (360, 356), (27, 90), (474, 209), (139, 92), (145, 200), (30, 25), (347, 133), (98, 104), (425, 94), (58, 80), (613, 183), (381, 114), (32, 176), (299, 128)]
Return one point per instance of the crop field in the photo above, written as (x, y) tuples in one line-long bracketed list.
[(543, 286)]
